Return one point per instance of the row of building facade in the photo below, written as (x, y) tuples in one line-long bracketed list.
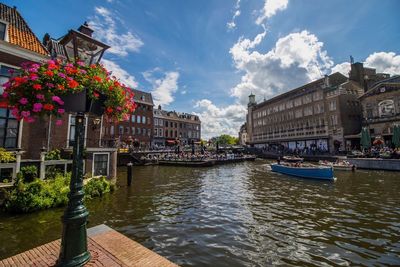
[(327, 114), (147, 126)]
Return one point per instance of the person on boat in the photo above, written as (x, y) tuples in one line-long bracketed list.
[(279, 160)]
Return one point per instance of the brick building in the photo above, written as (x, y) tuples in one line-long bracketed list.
[(170, 126), (19, 44), (139, 129), (316, 115), (381, 108)]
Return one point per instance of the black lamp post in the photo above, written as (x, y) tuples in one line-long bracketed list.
[(78, 45)]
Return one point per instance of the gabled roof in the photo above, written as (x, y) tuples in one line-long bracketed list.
[(390, 84), (142, 97), (19, 32)]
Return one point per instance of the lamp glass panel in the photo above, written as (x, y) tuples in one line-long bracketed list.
[(87, 51), (69, 48)]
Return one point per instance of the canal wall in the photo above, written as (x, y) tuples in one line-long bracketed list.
[(376, 164)]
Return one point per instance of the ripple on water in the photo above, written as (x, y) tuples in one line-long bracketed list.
[(241, 215)]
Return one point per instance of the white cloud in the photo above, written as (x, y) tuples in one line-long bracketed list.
[(270, 8), (383, 62), (104, 24), (163, 87), (343, 68), (296, 59), (232, 24), (216, 121), (120, 73), (386, 62)]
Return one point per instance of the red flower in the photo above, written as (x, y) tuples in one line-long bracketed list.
[(37, 86), (60, 87), (49, 73), (73, 84), (109, 110), (49, 107), (97, 78), (96, 95)]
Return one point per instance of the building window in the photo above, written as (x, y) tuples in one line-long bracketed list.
[(100, 164), (71, 130), (127, 130), (156, 132), (120, 130), (144, 120), (155, 121), (144, 131), (332, 105), (133, 118), (5, 74), (3, 31), (138, 119), (8, 129), (138, 131), (161, 133), (132, 130), (112, 130)]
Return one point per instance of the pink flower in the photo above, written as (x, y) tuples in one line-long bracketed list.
[(15, 112), (40, 96), (59, 122), (50, 85), (5, 94), (61, 111), (7, 85), (25, 114), (29, 119), (51, 62), (83, 71), (57, 100), (125, 117), (80, 63), (37, 107), (23, 101), (119, 108), (62, 75), (33, 77)]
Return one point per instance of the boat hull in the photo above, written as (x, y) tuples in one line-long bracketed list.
[(320, 173)]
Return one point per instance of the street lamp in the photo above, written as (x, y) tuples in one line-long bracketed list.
[(77, 45)]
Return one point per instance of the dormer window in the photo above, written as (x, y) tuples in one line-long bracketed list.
[(142, 98), (3, 31)]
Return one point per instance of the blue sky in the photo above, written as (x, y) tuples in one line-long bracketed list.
[(198, 56)]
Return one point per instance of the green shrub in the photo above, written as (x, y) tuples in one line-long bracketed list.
[(54, 154), (6, 156), (97, 187), (28, 173), (44, 194)]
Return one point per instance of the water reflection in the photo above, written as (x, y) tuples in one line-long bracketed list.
[(240, 215)]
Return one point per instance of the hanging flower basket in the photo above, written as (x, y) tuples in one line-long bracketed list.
[(53, 88)]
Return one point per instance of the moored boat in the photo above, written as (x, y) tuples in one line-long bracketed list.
[(305, 171), (292, 159), (187, 163), (339, 165)]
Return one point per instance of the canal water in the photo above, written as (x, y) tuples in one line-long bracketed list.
[(239, 215)]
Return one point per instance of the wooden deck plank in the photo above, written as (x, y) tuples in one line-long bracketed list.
[(107, 247)]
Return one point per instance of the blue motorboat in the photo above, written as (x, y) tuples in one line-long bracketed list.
[(313, 171)]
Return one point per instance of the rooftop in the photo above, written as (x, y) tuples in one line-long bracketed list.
[(19, 32)]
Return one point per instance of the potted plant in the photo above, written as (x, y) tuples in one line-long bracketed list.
[(55, 87)]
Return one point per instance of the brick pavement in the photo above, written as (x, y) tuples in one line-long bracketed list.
[(107, 247)]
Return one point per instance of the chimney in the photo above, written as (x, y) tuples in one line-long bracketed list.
[(159, 107), (326, 81), (84, 28)]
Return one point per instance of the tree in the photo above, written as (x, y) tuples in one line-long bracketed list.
[(226, 139)]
